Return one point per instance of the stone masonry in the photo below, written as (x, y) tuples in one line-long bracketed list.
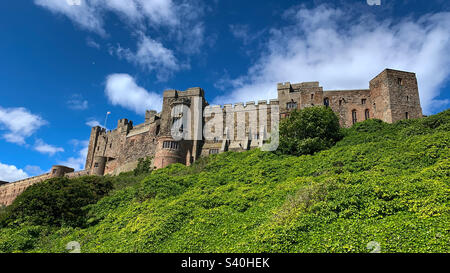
[(392, 95)]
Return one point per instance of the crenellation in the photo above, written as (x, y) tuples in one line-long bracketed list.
[(392, 95)]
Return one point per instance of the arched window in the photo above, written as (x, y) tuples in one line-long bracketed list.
[(291, 105), (367, 114), (326, 102), (354, 120)]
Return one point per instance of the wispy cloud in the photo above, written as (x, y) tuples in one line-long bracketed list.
[(91, 43), (18, 124), (244, 33), (77, 162), (179, 20), (11, 173), (121, 89), (77, 102), (34, 170), (45, 148), (92, 123), (152, 56), (344, 52)]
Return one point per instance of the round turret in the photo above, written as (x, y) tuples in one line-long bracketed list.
[(98, 168)]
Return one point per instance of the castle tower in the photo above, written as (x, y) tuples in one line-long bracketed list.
[(298, 96), (395, 96), (99, 165), (60, 171), (180, 107), (93, 140)]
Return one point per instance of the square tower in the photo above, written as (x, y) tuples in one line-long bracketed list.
[(395, 96)]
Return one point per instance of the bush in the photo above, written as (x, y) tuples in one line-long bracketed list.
[(56, 202), (309, 130), (144, 166)]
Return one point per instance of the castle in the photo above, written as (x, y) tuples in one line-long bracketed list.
[(392, 95)]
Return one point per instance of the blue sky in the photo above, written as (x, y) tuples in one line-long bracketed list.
[(63, 66)]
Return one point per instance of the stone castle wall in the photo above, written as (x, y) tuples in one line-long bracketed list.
[(392, 95)]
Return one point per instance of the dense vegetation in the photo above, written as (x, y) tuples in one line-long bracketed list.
[(387, 183), (56, 202), (308, 131)]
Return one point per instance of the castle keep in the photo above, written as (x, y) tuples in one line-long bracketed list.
[(392, 95)]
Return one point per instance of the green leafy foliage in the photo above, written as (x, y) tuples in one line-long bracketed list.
[(387, 183), (308, 131), (56, 202), (144, 166)]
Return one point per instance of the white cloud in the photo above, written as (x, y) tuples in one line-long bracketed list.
[(93, 123), (121, 89), (45, 148), (19, 124), (179, 21), (85, 15), (151, 55), (79, 161), (11, 173), (325, 44), (76, 102)]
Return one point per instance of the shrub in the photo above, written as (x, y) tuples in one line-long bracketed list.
[(56, 202), (144, 166), (309, 130)]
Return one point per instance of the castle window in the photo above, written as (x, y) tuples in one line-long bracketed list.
[(326, 102), (354, 120), (170, 145), (363, 101), (340, 102), (367, 114), (110, 145), (96, 165), (291, 105), (407, 98), (406, 115), (213, 151), (312, 96), (216, 139), (400, 81)]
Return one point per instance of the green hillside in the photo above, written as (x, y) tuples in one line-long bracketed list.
[(387, 183)]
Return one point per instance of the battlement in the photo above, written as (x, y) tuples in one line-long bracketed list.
[(297, 87), (190, 92)]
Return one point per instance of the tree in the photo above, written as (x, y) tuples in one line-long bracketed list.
[(309, 130)]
